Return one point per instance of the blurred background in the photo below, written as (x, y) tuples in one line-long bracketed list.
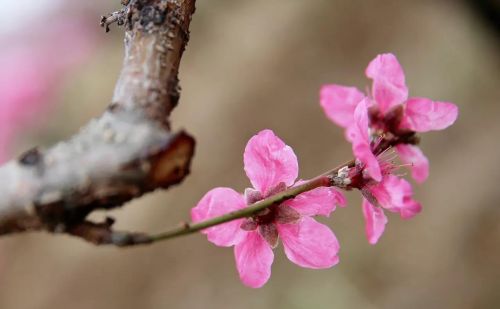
[(252, 65)]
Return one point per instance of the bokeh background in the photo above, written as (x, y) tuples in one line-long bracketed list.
[(252, 65)]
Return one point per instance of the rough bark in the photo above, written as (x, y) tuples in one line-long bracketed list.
[(123, 154)]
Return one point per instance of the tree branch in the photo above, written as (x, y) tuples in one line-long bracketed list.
[(125, 153), (189, 228), (332, 178)]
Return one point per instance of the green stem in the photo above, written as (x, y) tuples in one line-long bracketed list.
[(325, 180), (328, 179)]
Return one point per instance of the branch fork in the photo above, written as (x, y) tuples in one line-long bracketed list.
[(127, 152)]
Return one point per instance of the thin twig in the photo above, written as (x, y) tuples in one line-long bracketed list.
[(328, 179)]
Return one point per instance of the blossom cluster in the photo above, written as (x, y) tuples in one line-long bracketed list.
[(375, 124)]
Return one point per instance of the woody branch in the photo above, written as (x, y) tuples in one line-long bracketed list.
[(127, 152)]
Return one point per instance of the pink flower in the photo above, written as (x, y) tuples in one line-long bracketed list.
[(390, 193), (272, 166), (390, 113), (393, 194)]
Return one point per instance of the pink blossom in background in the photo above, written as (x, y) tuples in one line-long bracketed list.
[(389, 111), (272, 166), (37, 51), (34, 62)]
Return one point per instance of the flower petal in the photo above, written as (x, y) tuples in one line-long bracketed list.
[(338, 103), (395, 194), (402, 196), (411, 154), (309, 244), (269, 161), (276, 189), (424, 115), (254, 258), (375, 221), (411, 209), (320, 201), (217, 202), (358, 135), (389, 87)]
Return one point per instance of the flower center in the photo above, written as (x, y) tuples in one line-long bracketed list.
[(267, 219), (266, 216), (356, 175)]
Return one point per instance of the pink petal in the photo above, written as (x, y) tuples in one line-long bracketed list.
[(411, 209), (340, 198), (424, 115), (254, 258), (320, 201), (395, 194), (411, 154), (358, 135), (269, 161), (389, 88), (375, 221), (398, 190), (402, 197), (339, 102), (309, 244), (217, 202)]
